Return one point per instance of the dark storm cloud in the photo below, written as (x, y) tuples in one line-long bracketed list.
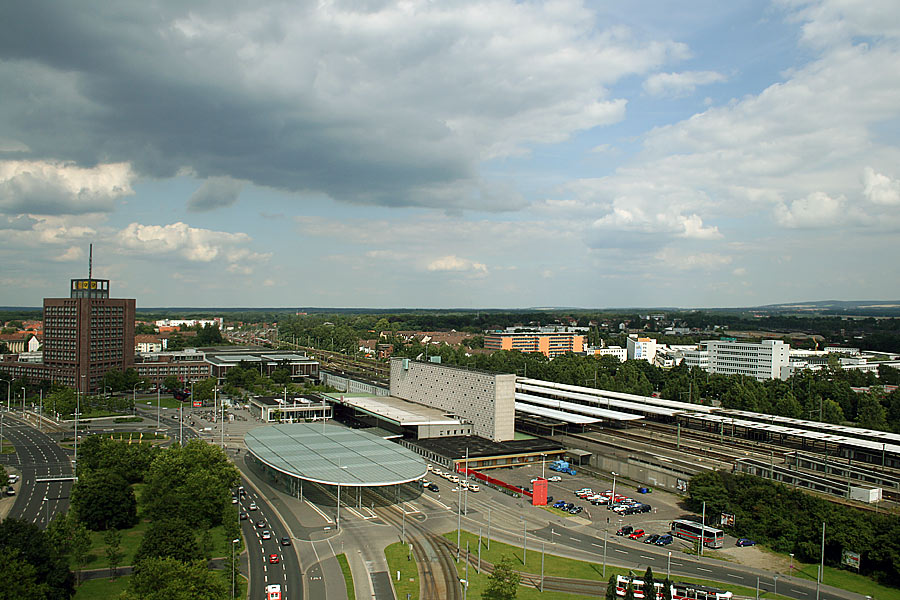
[(216, 192), (380, 103), (119, 83)]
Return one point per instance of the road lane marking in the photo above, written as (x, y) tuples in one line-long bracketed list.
[(702, 569), (622, 551), (735, 576)]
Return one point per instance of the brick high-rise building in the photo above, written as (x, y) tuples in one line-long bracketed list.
[(88, 334), (85, 335)]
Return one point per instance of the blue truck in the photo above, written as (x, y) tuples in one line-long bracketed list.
[(561, 466)]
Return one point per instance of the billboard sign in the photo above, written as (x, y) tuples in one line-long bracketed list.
[(851, 559), (197, 404)]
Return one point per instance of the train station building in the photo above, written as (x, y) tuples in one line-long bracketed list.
[(332, 465)]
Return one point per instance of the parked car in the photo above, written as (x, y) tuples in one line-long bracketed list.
[(433, 487), (559, 504), (746, 542), (665, 539), (555, 478), (651, 539), (473, 487), (625, 530), (636, 534), (569, 506), (576, 510)]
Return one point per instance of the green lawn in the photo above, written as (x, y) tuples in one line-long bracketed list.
[(7, 448), (102, 589), (135, 436), (847, 580), (396, 555), (348, 576), (566, 567), (131, 540)]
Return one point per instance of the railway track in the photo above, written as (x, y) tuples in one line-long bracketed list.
[(435, 558)]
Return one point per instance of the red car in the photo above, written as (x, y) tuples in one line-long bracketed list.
[(273, 558), (636, 534)]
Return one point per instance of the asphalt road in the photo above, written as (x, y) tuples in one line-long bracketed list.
[(38, 457), (286, 571)]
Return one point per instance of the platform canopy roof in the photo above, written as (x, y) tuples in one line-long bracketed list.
[(334, 455)]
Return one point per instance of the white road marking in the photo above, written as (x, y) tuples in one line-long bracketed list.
[(702, 569), (735, 576), (622, 551)]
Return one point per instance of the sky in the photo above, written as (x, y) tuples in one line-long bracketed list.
[(436, 154)]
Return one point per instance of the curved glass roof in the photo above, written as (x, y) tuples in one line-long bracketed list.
[(334, 455)]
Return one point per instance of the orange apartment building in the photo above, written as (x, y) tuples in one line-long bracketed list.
[(550, 344)]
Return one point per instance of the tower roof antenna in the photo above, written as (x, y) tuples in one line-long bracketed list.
[(90, 260)]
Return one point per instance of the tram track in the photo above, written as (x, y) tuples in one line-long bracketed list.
[(435, 561)]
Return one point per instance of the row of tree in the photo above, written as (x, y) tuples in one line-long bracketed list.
[(790, 521)]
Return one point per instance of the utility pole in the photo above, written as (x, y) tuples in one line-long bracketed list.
[(821, 575), (703, 529)]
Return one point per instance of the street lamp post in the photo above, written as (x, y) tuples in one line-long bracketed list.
[(543, 464), (47, 504), (791, 569), (612, 500), (8, 393), (23, 401), (775, 590), (233, 542), (669, 566), (157, 407), (77, 410), (134, 398)]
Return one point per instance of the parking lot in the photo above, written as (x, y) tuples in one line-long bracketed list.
[(664, 506)]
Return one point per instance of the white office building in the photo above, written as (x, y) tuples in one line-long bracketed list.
[(641, 348), (761, 361)]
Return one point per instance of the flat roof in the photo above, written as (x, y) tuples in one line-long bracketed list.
[(636, 402), (846, 430), (397, 410), (455, 447), (559, 415), (801, 433), (574, 407), (334, 455)]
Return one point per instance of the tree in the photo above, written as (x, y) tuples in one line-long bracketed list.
[(171, 382), (611, 588), (113, 540), (171, 579), (667, 589), (192, 482), (81, 543), (649, 589), (103, 499), (629, 591), (34, 547), (18, 578), (503, 582), (870, 413), (169, 538)]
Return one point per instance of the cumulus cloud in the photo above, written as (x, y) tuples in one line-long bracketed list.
[(389, 103), (455, 263), (72, 253), (191, 243), (880, 189), (216, 192), (680, 84), (55, 188), (815, 210)]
